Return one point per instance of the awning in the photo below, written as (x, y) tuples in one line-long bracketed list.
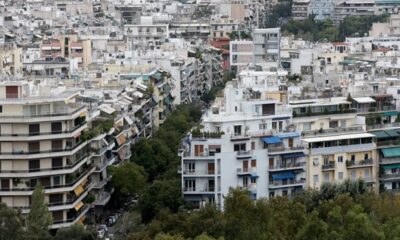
[(294, 155), (391, 152), (121, 139), (288, 135), (128, 120), (380, 134), (364, 100), (388, 167), (280, 118), (78, 206), (391, 113), (78, 190), (393, 132), (272, 140), (284, 175)]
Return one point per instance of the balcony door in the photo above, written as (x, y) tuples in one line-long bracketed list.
[(211, 168), (5, 184), (34, 129), (56, 127)]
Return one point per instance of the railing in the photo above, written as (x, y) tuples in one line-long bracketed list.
[(22, 152), (69, 111), (385, 125), (198, 172), (287, 166), (328, 166), (390, 160), (243, 153), (283, 148), (77, 179), (44, 169), (70, 220), (332, 131), (388, 142), (392, 175), (246, 170), (309, 114), (360, 163), (282, 183), (43, 133)]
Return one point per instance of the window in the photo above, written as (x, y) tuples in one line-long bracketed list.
[(253, 145), (340, 175), (253, 180), (316, 178), (340, 159), (198, 150), (190, 185), (238, 130), (366, 173), (253, 163), (191, 167), (56, 163), (274, 125), (34, 165), (353, 158), (1, 108), (366, 156), (56, 180), (333, 124), (326, 177), (34, 129), (239, 147), (353, 174), (56, 198), (56, 144), (263, 126), (306, 126), (34, 147), (271, 194), (245, 182)]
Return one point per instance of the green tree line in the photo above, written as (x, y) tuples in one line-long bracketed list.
[(347, 211), (320, 30)]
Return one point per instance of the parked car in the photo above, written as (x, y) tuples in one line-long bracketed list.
[(103, 227), (101, 233)]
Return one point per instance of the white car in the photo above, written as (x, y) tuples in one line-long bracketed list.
[(101, 233)]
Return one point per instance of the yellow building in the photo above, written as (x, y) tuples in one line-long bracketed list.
[(334, 158)]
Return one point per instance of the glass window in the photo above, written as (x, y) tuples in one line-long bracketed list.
[(340, 175), (316, 178)]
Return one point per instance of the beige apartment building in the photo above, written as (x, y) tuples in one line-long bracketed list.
[(41, 143)]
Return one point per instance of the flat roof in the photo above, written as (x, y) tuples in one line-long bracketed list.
[(338, 137), (364, 100)]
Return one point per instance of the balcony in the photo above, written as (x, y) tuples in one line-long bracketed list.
[(286, 184), (50, 189), (274, 149), (247, 171), (40, 172), (243, 154), (329, 166), (69, 111), (72, 220), (281, 167), (103, 199), (360, 164), (390, 160), (332, 131), (197, 172), (204, 190), (43, 154), (388, 143), (43, 135), (390, 177), (309, 114)]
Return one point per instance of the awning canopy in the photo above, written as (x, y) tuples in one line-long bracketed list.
[(391, 152), (391, 113), (78, 190), (284, 175), (294, 155), (288, 135), (364, 100), (393, 132), (272, 140), (380, 134), (388, 167), (78, 206)]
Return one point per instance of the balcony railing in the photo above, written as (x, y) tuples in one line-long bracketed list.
[(384, 125), (45, 169), (390, 160), (389, 176), (61, 112), (22, 152), (328, 166), (243, 153), (308, 114), (42, 133), (288, 166), (283, 183), (361, 163), (333, 131), (198, 172), (205, 189), (81, 211), (388, 143), (284, 149)]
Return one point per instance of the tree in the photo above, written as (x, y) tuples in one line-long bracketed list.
[(39, 218), (128, 179), (74, 232), (163, 236), (159, 195), (11, 223)]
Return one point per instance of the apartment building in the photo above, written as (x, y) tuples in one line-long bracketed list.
[(68, 46), (41, 143), (263, 48), (321, 9), (336, 157), (347, 8), (10, 59), (300, 9), (387, 141), (241, 131), (223, 28), (189, 30), (146, 35)]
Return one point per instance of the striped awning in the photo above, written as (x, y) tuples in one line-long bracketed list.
[(78, 190)]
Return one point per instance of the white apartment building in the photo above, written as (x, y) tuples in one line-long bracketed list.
[(346, 8), (263, 48), (247, 142), (41, 143)]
